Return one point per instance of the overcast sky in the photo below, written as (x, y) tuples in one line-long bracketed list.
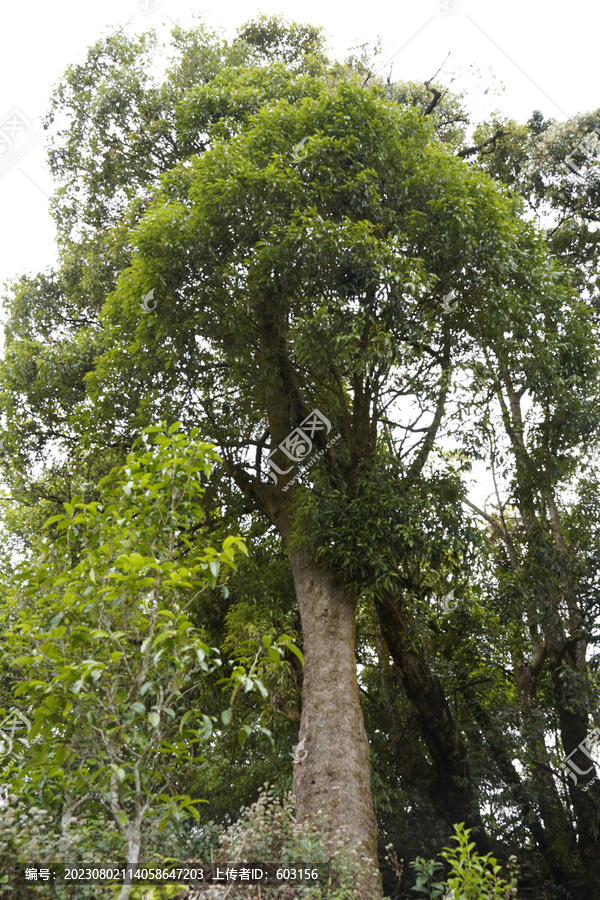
[(544, 55)]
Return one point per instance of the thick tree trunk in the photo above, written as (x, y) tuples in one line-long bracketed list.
[(585, 790), (585, 796), (453, 801), (334, 778), (555, 838), (566, 657)]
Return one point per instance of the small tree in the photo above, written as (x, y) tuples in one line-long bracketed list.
[(471, 876), (111, 669)]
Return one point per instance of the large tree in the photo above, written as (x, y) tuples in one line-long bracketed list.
[(314, 281), (315, 244)]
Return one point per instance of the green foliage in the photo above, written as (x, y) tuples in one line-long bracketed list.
[(381, 519), (107, 664), (471, 876), (267, 830), (428, 877), (271, 38), (320, 278), (30, 833)]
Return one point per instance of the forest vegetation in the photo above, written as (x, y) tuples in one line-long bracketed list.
[(300, 510)]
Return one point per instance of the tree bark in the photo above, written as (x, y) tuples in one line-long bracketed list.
[(566, 656), (334, 777), (555, 838), (452, 801), (585, 794)]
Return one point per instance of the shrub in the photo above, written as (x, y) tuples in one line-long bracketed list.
[(471, 876)]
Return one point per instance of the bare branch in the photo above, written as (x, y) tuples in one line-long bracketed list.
[(469, 151)]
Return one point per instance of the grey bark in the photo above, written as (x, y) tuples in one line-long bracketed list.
[(332, 725)]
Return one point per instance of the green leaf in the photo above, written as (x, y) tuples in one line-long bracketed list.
[(243, 734), (207, 728), (184, 719), (261, 688), (292, 647), (119, 772), (52, 520)]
